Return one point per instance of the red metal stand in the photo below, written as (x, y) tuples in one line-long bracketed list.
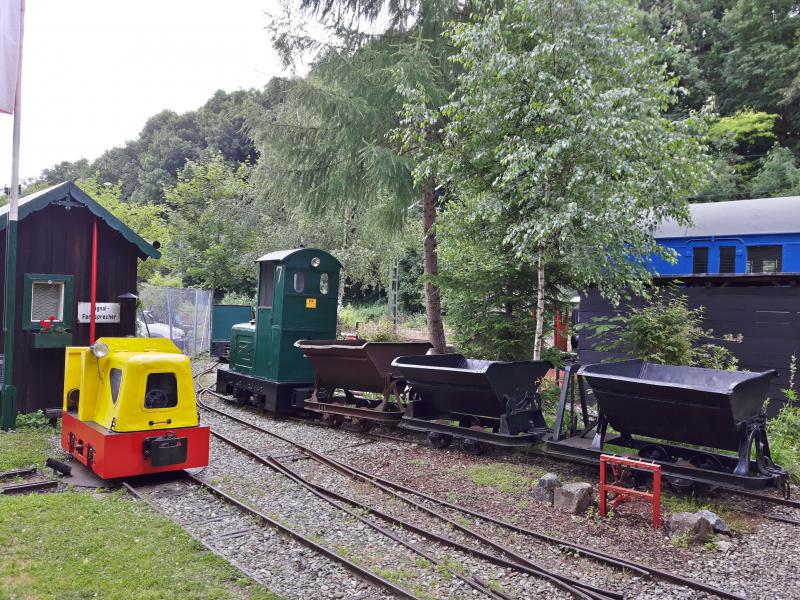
[(624, 494)]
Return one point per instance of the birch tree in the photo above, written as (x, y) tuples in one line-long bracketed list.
[(559, 122)]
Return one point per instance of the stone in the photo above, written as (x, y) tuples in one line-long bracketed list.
[(573, 498), (545, 488), (717, 524), (693, 525)]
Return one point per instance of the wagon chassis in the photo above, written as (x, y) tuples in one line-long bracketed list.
[(362, 411), (682, 466)]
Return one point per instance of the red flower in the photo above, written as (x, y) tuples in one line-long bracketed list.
[(51, 318), (46, 324)]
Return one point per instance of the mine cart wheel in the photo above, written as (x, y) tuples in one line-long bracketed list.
[(703, 460), (680, 486), (655, 452), (440, 440), (474, 447), (333, 421), (361, 425)]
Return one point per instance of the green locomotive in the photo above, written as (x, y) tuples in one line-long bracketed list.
[(297, 299)]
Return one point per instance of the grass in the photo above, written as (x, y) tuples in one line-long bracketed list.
[(75, 545), (26, 447), (505, 478), (404, 579), (734, 520)]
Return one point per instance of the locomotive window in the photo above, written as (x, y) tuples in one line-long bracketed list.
[(700, 260), (115, 379), (323, 283), (47, 300), (299, 281), (161, 391), (764, 259), (727, 259), (266, 284)]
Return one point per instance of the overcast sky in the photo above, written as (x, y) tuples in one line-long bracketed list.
[(95, 70)]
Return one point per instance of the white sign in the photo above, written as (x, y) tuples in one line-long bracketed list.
[(104, 312)]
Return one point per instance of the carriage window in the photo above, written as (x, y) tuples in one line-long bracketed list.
[(764, 259), (727, 259), (115, 379), (700, 260), (161, 391), (323, 283), (47, 300), (299, 281)]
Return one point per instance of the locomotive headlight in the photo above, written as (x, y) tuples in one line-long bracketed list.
[(315, 262), (99, 349)]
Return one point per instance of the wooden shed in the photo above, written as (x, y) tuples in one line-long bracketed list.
[(60, 230)]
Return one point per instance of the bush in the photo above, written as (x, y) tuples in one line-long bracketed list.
[(238, 298), (34, 420), (351, 316), (378, 331), (664, 331), (784, 429)]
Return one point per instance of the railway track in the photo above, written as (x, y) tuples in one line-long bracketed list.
[(25, 481), (233, 529), (470, 539)]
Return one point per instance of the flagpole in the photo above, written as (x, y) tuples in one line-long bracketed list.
[(9, 405)]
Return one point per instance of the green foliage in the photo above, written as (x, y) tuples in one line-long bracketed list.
[(745, 127), (666, 331), (216, 225), (238, 298), (779, 175), (489, 293), (557, 127), (113, 543), (148, 220), (382, 330), (351, 317), (784, 429), (34, 420)]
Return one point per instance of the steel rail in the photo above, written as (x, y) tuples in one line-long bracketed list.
[(595, 554), (144, 498), (562, 581), (322, 491), (302, 539), (28, 487), (18, 473), (330, 496)]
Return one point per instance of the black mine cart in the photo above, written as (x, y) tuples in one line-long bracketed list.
[(358, 367), (480, 401), (660, 411)]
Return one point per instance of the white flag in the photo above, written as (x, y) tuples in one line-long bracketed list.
[(10, 49)]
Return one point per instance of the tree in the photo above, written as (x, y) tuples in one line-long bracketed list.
[(489, 294), (327, 145), (558, 125), (779, 175), (149, 221)]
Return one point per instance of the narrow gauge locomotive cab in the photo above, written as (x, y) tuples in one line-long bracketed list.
[(297, 299), (130, 409)]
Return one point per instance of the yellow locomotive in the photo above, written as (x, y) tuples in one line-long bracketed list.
[(130, 408)]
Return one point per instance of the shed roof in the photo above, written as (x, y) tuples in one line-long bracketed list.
[(738, 217), (69, 192)]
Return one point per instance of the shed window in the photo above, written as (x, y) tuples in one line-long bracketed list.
[(161, 391), (323, 283), (764, 259), (700, 260), (299, 281), (47, 300), (115, 380), (727, 259)]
